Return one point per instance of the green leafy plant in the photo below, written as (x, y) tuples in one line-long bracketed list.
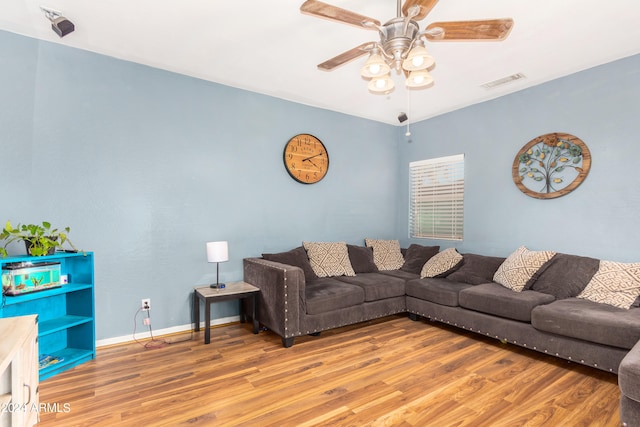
[(39, 239)]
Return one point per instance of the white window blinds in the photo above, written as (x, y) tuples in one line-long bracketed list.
[(436, 198)]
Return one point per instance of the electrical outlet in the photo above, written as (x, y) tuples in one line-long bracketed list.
[(146, 304)]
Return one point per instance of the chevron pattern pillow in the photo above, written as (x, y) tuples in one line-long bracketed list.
[(519, 267), (441, 263), (329, 259), (615, 284), (386, 254)]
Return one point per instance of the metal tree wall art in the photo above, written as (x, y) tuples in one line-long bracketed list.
[(551, 165)]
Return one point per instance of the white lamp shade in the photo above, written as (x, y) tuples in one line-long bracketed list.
[(419, 79), (217, 251), (381, 85), (374, 67), (418, 59)]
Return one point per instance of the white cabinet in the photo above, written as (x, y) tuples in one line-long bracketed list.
[(19, 371)]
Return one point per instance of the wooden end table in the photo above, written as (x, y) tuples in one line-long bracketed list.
[(232, 291)]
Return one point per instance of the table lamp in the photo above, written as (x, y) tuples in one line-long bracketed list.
[(217, 252)]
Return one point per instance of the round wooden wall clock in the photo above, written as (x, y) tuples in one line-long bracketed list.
[(551, 165), (306, 158)]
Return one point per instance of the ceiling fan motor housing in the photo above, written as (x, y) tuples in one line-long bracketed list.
[(396, 38)]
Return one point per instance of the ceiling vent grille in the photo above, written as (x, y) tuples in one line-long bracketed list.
[(504, 80)]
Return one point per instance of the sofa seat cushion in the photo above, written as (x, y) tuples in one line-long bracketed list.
[(377, 286), (404, 275), (327, 294), (436, 290), (492, 298), (589, 321)]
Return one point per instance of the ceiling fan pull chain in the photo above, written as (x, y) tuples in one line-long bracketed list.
[(408, 133)]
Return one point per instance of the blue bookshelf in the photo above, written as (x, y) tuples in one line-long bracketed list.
[(66, 325)]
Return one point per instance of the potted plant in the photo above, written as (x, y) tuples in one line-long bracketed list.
[(39, 240)]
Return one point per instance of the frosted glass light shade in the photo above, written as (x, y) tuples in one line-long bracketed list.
[(217, 251), (418, 59), (374, 67), (419, 79), (381, 85)]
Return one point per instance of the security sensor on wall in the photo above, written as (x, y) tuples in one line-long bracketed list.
[(59, 24)]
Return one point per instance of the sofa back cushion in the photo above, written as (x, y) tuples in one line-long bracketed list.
[(361, 258), (564, 276), (296, 257), (415, 257), (476, 269)]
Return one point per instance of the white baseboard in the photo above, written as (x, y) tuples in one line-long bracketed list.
[(166, 331)]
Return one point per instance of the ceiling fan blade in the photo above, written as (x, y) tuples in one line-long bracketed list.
[(488, 29), (345, 57), (425, 7), (334, 13)]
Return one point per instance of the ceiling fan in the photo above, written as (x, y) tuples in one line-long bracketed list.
[(401, 44)]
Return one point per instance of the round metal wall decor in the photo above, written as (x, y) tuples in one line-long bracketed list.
[(551, 165)]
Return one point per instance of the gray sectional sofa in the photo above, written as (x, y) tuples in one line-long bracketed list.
[(546, 316)]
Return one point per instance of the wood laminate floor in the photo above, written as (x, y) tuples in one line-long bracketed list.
[(389, 372)]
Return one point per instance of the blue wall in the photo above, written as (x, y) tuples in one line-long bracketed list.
[(146, 166), (600, 218)]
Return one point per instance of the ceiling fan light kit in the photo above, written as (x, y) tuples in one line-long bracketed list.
[(401, 46)]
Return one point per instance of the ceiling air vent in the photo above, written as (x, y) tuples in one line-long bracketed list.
[(504, 80)]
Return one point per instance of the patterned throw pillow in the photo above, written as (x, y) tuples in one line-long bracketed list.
[(519, 267), (329, 259), (386, 254), (441, 263), (614, 283)]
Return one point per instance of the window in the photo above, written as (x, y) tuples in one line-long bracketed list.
[(436, 198)]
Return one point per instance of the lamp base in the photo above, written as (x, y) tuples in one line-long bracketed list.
[(217, 285)]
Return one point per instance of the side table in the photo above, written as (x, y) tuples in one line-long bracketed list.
[(232, 291)]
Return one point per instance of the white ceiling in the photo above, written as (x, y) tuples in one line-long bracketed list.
[(269, 47)]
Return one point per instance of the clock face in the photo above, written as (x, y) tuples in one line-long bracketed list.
[(306, 158)]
